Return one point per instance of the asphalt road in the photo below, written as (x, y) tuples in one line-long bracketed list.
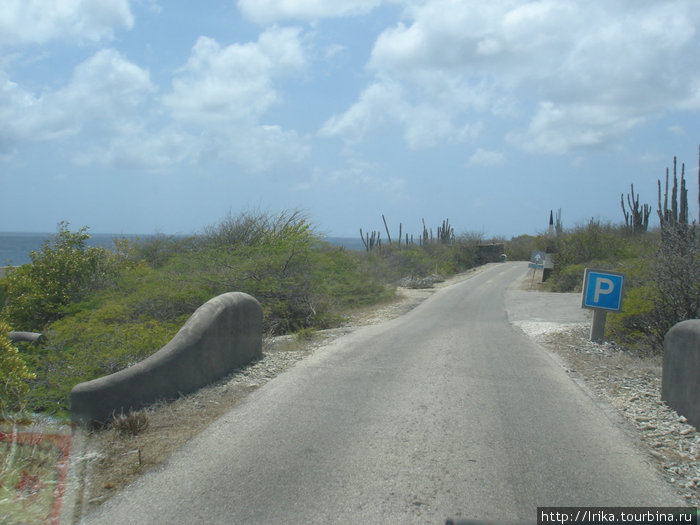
[(447, 411)]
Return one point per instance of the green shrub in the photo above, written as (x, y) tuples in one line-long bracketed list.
[(675, 279), (64, 271), (661, 268), (567, 279), (14, 374), (595, 241), (632, 326), (118, 308), (90, 344), (520, 248), (392, 263), (156, 250)]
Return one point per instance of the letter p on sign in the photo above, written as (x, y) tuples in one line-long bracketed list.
[(602, 289), (603, 286)]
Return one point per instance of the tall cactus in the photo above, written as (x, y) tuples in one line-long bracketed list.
[(678, 214), (637, 218), (445, 233), (372, 242), (387, 229)]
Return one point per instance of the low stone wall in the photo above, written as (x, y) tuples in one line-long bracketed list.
[(26, 337), (680, 382), (221, 335)]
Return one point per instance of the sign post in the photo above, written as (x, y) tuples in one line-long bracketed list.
[(602, 292)]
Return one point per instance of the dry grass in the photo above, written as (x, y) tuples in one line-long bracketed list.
[(132, 423), (119, 457)]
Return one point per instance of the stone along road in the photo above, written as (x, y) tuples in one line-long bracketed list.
[(447, 411)]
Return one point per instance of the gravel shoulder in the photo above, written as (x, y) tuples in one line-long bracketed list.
[(105, 461), (626, 385)]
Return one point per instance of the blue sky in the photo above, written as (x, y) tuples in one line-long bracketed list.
[(144, 116)]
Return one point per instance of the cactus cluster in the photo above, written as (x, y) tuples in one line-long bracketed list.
[(371, 242), (676, 214), (445, 235), (637, 218)]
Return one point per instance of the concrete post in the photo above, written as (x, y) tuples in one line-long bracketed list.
[(598, 325), (680, 380)]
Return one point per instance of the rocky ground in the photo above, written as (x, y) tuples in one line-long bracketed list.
[(107, 460), (632, 385)]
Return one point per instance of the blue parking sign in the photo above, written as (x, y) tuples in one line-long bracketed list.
[(602, 289)]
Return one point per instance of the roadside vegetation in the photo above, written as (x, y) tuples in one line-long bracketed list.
[(661, 264), (104, 310)]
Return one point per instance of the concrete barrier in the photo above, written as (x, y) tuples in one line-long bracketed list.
[(26, 337), (221, 335), (680, 381)]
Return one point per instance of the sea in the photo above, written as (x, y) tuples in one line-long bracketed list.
[(16, 247)]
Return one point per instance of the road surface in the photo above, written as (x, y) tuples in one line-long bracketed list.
[(447, 411)]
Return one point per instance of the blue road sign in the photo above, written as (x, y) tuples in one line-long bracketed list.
[(537, 260), (602, 289)]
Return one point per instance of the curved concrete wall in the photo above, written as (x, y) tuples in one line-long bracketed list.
[(680, 381), (26, 337), (221, 335)]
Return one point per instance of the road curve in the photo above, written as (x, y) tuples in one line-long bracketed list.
[(445, 411)]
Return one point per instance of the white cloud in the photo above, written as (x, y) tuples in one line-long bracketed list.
[(482, 157), (39, 21), (556, 129), (268, 11), (105, 91), (234, 82), (355, 175), (565, 74), (106, 86), (385, 103), (379, 104), (212, 113), (136, 147), (254, 149), (260, 148), (221, 94)]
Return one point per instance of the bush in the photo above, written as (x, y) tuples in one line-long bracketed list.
[(632, 326), (520, 248), (113, 312), (93, 342), (661, 268), (676, 279), (392, 263), (299, 279), (14, 374), (567, 279), (64, 271), (594, 241), (158, 249)]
